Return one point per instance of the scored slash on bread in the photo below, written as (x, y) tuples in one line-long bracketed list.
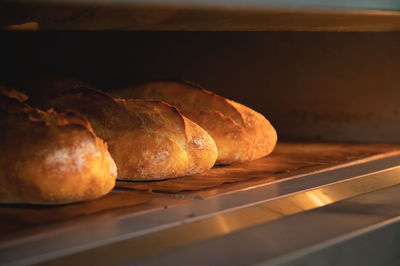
[(149, 140), (240, 133), (50, 158)]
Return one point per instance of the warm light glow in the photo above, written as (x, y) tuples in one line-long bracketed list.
[(319, 198), (222, 224), (25, 26)]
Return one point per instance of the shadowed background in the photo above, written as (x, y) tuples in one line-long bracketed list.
[(329, 86)]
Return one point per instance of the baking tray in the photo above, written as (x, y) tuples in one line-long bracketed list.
[(289, 160), (296, 179)]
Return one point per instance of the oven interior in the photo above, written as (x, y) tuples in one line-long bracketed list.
[(328, 83)]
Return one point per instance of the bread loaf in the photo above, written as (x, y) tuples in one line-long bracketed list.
[(50, 158), (240, 133), (148, 140)]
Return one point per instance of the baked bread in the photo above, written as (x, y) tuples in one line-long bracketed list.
[(149, 140), (240, 133), (50, 158)]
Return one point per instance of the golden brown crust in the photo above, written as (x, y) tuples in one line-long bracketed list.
[(51, 158), (240, 133), (148, 140)]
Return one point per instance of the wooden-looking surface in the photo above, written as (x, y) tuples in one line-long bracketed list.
[(287, 160)]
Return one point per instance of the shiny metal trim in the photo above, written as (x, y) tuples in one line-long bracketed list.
[(362, 230), (384, 225), (226, 222)]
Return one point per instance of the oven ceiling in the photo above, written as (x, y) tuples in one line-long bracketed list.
[(292, 15)]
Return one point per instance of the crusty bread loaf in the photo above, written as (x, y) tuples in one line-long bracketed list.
[(148, 140), (50, 158), (240, 133)]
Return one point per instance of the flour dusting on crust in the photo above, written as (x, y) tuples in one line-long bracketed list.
[(161, 156), (199, 142), (72, 158)]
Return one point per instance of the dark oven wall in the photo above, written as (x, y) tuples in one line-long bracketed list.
[(328, 86)]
